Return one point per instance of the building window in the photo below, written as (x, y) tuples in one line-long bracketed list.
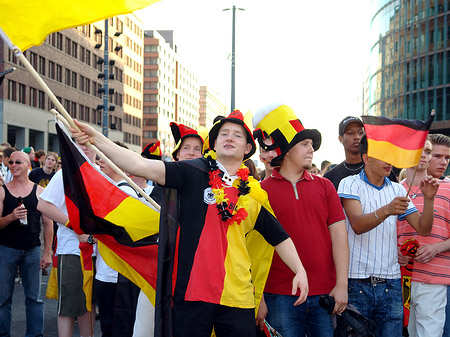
[(74, 79), (12, 90), (33, 97), (88, 86), (67, 77), (88, 57), (33, 60), (59, 41), (68, 46), (22, 93), (51, 70), (83, 53), (42, 65), (74, 49), (41, 100), (59, 73)]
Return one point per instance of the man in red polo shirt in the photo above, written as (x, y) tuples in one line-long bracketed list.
[(310, 211)]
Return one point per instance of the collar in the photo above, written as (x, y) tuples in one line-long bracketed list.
[(306, 175), (364, 178), (227, 179)]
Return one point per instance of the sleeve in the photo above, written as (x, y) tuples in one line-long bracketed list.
[(348, 188), (411, 208), (54, 192), (335, 210), (270, 228), (175, 174)]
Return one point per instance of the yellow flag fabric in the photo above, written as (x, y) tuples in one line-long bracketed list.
[(27, 23), (52, 285)]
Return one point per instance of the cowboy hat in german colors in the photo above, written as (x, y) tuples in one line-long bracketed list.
[(238, 118), (280, 122), (180, 132)]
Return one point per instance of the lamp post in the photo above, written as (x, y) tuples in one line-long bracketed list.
[(233, 55), (105, 113)]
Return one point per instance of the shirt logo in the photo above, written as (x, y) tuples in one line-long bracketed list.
[(208, 196)]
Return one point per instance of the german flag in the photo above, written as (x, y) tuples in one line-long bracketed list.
[(398, 142), (126, 228)]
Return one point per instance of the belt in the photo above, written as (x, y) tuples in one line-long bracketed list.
[(371, 279)]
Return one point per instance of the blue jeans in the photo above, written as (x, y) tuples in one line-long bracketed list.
[(447, 315), (381, 302), (28, 263), (290, 321)]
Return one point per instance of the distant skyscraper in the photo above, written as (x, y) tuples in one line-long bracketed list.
[(210, 107), (410, 60)]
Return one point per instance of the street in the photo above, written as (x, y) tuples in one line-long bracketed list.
[(18, 324)]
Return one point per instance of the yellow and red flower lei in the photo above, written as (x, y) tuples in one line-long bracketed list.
[(216, 182)]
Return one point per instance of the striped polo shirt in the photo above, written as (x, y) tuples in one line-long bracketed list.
[(373, 253), (437, 271)]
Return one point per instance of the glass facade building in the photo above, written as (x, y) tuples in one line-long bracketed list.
[(410, 60)]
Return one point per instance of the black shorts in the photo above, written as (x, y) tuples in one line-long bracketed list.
[(199, 318)]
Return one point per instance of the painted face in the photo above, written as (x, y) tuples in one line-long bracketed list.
[(267, 156), (231, 141), (302, 154), (352, 137), (191, 148), (440, 156)]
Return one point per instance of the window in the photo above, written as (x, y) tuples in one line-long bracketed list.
[(33, 60), (150, 48), (74, 49), (12, 90), (88, 57), (33, 97), (67, 77), (41, 65), (51, 70), (73, 109), (68, 46), (59, 41), (88, 86), (81, 82), (22, 93), (59, 73), (41, 100), (74, 79)]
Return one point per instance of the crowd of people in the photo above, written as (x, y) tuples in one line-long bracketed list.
[(256, 250)]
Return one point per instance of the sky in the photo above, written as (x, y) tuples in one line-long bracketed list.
[(310, 55)]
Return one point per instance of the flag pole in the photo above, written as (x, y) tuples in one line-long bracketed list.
[(18, 53), (412, 181), (67, 124)]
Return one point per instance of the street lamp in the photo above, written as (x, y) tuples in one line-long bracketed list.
[(233, 55)]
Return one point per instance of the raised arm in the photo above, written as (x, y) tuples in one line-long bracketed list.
[(125, 159), (423, 223), (362, 223)]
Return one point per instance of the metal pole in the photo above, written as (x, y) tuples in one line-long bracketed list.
[(233, 62), (105, 114)]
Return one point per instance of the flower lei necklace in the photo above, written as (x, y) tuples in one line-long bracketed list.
[(217, 187)]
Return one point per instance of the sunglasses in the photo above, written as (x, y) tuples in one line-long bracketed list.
[(18, 162)]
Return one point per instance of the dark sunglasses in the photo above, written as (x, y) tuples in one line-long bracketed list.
[(18, 162)]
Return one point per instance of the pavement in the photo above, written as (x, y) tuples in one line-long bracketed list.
[(18, 323)]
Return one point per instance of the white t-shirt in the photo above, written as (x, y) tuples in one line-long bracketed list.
[(54, 193), (104, 272)]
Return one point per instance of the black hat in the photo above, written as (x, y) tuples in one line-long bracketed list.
[(346, 121)]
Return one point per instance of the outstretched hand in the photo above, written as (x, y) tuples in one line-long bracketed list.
[(429, 187)]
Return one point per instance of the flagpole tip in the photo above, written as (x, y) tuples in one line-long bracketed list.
[(433, 112)]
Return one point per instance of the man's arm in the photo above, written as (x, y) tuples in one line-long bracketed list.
[(46, 259), (423, 223), (362, 223), (125, 159), (287, 252), (339, 244), (427, 253), (52, 212), (19, 212)]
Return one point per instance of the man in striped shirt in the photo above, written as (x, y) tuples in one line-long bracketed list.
[(431, 273), (372, 204)]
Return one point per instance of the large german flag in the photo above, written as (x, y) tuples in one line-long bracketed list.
[(126, 228), (398, 142)]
